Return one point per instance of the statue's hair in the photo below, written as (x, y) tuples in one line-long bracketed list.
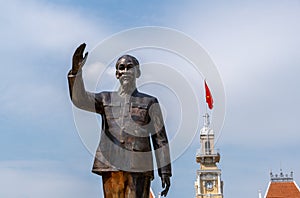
[(133, 59)]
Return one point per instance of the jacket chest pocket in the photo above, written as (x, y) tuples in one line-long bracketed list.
[(112, 110), (139, 113)]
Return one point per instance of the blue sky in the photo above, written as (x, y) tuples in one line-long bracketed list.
[(255, 45)]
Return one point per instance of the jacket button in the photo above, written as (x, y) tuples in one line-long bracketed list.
[(122, 141)]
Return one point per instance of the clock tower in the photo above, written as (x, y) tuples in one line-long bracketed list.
[(208, 183)]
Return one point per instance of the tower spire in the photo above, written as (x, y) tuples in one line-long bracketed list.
[(208, 183), (259, 194), (206, 120)]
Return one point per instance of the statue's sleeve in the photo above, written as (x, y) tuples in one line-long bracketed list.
[(80, 97), (160, 140)]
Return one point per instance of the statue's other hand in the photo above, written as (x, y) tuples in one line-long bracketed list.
[(78, 58), (165, 181)]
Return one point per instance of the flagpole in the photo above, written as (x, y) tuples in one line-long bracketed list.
[(209, 101), (206, 115)]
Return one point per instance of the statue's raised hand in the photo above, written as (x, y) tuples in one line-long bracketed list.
[(78, 58)]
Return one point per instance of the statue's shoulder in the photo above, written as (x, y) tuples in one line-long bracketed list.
[(105, 96), (143, 97)]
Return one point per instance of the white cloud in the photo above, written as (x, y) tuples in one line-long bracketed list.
[(30, 101), (256, 48), (244, 38), (42, 25), (38, 41), (43, 179)]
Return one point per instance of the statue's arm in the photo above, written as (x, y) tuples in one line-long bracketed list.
[(161, 146), (80, 97)]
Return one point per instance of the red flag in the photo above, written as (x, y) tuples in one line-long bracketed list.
[(209, 99)]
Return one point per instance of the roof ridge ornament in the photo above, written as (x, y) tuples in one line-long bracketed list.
[(281, 177)]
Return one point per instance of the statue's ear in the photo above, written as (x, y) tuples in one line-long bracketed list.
[(138, 72), (117, 74)]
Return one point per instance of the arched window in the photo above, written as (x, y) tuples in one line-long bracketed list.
[(207, 147)]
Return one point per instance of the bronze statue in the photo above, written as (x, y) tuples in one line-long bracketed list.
[(129, 120)]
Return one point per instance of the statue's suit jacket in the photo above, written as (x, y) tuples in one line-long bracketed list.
[(128, 125)]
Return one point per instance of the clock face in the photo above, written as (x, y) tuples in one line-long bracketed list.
[(209, 185)]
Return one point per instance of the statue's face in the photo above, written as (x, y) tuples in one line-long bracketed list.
[(126, 71)]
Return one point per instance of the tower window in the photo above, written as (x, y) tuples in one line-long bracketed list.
[(207, 147)]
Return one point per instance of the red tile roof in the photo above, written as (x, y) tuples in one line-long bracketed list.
[(283, 190)]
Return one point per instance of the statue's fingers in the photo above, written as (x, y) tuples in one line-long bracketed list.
[(168, 182), (84, 59), (79, 51), (82, 47), (85, 56), (165, 191)]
